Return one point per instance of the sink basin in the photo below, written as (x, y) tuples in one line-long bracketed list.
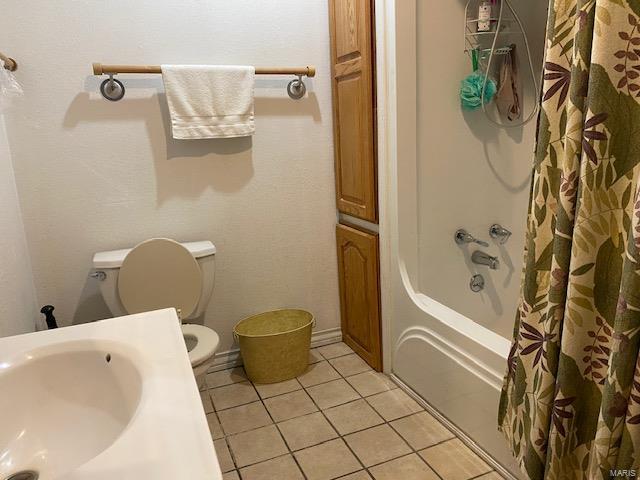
[(65, 404), (111, 399)]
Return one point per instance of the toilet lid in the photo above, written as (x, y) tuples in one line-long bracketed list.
[(160, 273)]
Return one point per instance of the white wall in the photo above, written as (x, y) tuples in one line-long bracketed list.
[(96, 175), (18, 312), (471, 174)]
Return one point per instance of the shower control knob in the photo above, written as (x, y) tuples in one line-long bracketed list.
[(476, 284), (498, 232), (462, 236)]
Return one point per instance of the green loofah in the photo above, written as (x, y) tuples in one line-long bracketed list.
[(471, 91)]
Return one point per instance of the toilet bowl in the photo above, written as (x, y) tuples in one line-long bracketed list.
[(202, 343), (162, 273)]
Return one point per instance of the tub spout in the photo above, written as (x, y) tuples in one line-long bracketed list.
[(481, 258)]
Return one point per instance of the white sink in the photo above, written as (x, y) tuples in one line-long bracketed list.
[(106, 400), (65, 404)]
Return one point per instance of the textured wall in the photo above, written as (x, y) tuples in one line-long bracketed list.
[(95, 175), (18, 312)]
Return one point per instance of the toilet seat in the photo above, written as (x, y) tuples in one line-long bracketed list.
[(207, 341)]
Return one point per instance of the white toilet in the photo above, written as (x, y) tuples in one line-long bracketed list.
[(162, 273)]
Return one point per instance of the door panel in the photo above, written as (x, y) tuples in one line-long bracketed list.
[(353, 101), (358, 267)]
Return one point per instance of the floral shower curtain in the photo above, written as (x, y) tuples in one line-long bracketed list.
[(570, 405)]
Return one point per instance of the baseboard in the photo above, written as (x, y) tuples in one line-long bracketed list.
[(326, 337), (231, 358), (468, 441)]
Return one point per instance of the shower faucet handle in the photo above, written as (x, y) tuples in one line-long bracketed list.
[(498, 232), (462, 236)]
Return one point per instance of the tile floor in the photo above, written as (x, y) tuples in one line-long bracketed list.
[(339, 420)]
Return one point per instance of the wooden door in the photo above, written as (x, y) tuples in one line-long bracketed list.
[(353, 107), (358, 268)]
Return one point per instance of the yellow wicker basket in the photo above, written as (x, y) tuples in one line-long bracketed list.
[(275, 345)]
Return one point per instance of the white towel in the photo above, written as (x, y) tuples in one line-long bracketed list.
[(207, 101)]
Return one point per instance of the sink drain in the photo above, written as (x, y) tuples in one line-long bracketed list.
[(24, 475)]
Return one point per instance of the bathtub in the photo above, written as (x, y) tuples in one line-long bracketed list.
[(445, 345), (452, 364)]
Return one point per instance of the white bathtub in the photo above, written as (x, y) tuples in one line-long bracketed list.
[(451, 362), (445, 344)]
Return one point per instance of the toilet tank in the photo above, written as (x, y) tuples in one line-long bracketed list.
[(107, 266)]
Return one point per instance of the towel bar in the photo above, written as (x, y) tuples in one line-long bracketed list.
[(102, 69), (113, 90)]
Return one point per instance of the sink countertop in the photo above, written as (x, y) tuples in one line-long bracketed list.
[(168, 437)]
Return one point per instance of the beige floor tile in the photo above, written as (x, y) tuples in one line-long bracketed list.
[(377, 445), (349, 365), (393, 404), (334, 350), (290, 405), (370, 383), (233, 395), (243, 418), (257, 445), (453, 460), (327, 461), (353, 416), (333, 393), (320, 372), (214, 426), (410, 467), (314, 356), (421, 430), (306, 431), (224, 457), (267, 390), (206, 402), (281, 468), (231, 476), (361, 475), (491, 476), (226, 377)]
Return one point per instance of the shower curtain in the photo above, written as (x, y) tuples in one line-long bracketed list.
[(570, 404)]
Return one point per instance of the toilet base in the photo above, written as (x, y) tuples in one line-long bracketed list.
[(200, 372)]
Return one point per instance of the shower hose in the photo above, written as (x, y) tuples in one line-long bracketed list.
[(536, 107)]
